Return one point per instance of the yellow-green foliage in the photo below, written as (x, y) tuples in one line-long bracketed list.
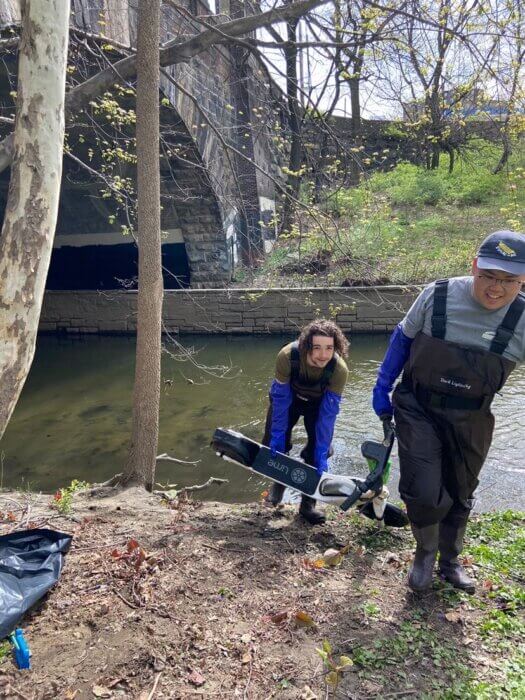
[(412, 224)]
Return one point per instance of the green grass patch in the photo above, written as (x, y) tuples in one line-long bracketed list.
[(511, 687), (450, 645), (5, 651)]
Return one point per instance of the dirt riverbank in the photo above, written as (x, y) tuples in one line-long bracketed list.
[(192, 599)]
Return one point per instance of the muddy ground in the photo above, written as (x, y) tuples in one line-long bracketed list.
[(189, 599)]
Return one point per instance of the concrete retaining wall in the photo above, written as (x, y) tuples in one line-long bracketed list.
[(235, 311)]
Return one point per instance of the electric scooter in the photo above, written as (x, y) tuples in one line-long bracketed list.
[(369, 494)]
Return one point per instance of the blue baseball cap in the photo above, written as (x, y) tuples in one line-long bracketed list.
[(503, 250)]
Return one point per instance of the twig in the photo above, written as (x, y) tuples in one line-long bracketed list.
[(124, 600), (245, 694), (81, 659), (74, 550), (397, 693), (11, 500), (97, 489), (25, 518), (292, 548), (211, 480), (20, 694), (185, 489), (210, 546), (152, 692), (165, 457)]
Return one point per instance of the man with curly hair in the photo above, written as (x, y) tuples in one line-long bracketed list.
[(310, 375)]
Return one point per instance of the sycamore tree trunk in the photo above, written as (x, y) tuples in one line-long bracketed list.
[(146, 395), (27, 234)]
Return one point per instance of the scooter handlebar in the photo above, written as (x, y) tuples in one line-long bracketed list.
[(373, 481)]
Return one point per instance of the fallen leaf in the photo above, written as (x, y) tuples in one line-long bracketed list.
[(196, 678), (313, 563), (303, 619), (279, 618), (453, 616), (392, 558), (332, 557), (246, 658), (307, 694), (100, 691), (140, 558), (70, 694)]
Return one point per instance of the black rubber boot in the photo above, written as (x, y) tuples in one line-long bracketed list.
[(275, 495), (307, 510), (451, 534), (422, 569)]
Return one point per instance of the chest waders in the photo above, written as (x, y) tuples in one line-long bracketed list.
[(444, 427)]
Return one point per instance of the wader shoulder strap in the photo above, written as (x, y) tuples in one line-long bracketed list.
[(328, 373), (439, 309), (295, 367), (507, 327), (295, 362)]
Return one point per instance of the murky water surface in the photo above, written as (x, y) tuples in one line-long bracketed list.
[(73, 418)]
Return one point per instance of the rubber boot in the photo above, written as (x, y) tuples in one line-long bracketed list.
[(307, 510), (451, 534), (275, 495), (420, 574)]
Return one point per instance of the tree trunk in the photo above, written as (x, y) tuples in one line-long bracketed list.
[(146, 394), (356, 121), (34, 189), (293, 182), (505, 154), (436, 125), (451, 160)]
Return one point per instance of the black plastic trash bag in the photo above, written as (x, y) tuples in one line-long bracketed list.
[(30, 564)]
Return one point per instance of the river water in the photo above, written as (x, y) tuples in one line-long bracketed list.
[(73, 418)]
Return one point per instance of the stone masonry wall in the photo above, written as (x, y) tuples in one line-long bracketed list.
[(231, 311)]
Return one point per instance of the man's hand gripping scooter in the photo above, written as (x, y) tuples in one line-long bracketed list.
[(369, 494), (373, 489)]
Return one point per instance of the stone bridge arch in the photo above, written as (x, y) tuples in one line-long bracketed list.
[(217, 199)]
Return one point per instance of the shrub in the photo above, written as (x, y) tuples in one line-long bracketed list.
[(347, 202)]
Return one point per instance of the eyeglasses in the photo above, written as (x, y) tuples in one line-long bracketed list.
[(505, 282)]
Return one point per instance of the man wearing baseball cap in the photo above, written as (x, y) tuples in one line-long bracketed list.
[(457, 346)]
